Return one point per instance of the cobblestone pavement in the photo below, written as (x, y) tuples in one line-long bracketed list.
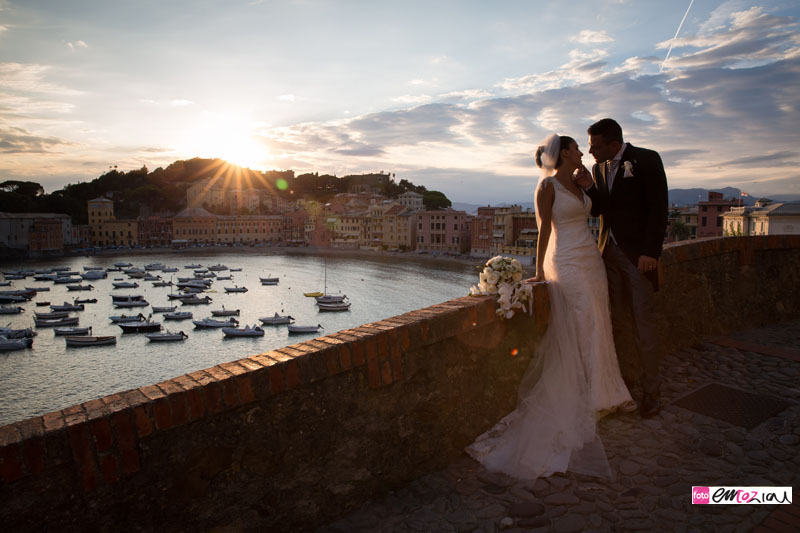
[(656, 461)]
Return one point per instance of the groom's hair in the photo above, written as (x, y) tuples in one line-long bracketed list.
[(608, 129)]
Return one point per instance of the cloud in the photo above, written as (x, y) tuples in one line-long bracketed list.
[(468, 94), (77, 44), (592, 37), (782, 158), (287, 98), (180, 102), (3, 28), (412, 99), (29, 77), (21, 141), (584, 66)]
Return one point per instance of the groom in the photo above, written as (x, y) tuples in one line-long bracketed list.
[(628, 188)]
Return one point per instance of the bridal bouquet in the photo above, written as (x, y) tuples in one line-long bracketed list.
[(502, 276)]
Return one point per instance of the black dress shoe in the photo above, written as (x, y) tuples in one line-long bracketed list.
[(651, 405)]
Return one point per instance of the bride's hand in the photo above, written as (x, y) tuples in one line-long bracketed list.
[(583, 178), (538, 278)]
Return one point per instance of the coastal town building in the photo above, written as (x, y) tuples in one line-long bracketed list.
[(443, 231), (682, 224), (106, 229), (412, 200), (709, 214), (765, 218), (35, 234), (155, 231), (481, 232)]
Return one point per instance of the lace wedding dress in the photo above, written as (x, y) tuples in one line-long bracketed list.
[(574, 372)]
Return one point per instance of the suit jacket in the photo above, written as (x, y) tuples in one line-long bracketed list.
[(636, 208)]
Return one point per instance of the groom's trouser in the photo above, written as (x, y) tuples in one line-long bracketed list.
[(633, 313)]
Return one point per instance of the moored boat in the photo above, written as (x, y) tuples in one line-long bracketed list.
[(157, 309), (85, 300), (42, 304), (7, 345), (225, 312), (66, 306), (236, 288), (79, 287), (313, 294), (11, 333), (126, 318), (194, 300), (91, 341), (124, 285), (39, 289), (268, 280), (72, 331), (10, 310), (247, 331), (144, 326), (52, 322), (51, 315), (330, 298), (304, 329), (166, 336), (178, 315), (217, 267), (211, 323), (276, 320)]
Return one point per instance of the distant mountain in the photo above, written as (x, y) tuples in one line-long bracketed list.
[(683, 197)]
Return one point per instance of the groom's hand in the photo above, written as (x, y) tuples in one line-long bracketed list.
[(647, 264), (583, 178)]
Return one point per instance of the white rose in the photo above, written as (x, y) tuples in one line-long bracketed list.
[(493, 278)]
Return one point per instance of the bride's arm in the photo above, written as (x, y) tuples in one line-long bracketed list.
[(544, 214)]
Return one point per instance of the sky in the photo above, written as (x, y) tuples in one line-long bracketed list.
[(453, 95)]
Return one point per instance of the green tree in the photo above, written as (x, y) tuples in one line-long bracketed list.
[(680, 231), (435, 200)]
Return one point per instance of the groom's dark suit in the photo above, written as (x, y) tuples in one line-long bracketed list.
[(633, 220)]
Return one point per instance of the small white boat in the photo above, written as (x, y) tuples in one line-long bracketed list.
[(335, 306), (67, 280), (236, 289), (162, 284), (304, 329), (122, 264), (155, 266), (7, 345), (66, 306), (236, 270), (94, 274), (178, 315), (225, 312), (14, 276), (72, 331), (79, 287), (85, 300), (10, 310), (129, 300), (170, 269), (192, 266), (211, 323), (151, 278), (330, 298), (166, 336), (276, 320), (125, 285), (223, 278), (269, 281), (90, 341), (194, 300), (88, 268), (246, 331), (217, 267), (157, 309), (126, 297), (53, 322), (135, 303)]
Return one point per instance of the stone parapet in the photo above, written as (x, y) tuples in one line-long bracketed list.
[(295, 436)]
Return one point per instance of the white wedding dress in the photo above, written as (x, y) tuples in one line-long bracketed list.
[(574, 372)]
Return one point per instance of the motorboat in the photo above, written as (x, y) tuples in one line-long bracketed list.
[(169, 269), (11, 333), (223, 278), (194, 300), (235, 269), (334, 306), (123, 264), (133, 271), (236, 289), (193, 283), (162, 283), (312, 294), (94, 274), (53, 322), (247, 331), (330, 298), (66, 306), (5, 283), (40, 289), (59, 269), (150, 277), (51, 315), (118, 319), (225, 312), (45, 277), (67, 279), (72, 331), (166, 336), (88, 268), (143, 326), (304, 329), (79, 287), (211, 323), (10, 310), (124, 285), (90, 341), (178, 315), (268, 280), (14, 276), (126, 298), (7, 345), (42, 304), (217, 268), (11, 299), (155, 266), (157, 309), (134, 300), (85, 300), (276, 320), (192, 266)]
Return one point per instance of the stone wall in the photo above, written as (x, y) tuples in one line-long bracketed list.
[(296, 436)]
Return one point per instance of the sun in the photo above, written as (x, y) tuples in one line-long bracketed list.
[(226, 136)]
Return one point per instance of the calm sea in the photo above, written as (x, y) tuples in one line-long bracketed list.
[(50, 376)]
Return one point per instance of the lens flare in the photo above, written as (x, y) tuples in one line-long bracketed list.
[(514, 352)]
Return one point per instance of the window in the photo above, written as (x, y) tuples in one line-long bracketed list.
[(705, 208), (703, 223)]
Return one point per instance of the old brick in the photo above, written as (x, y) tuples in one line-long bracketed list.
[(162, 414), (53, 421), (11, 462), (386, 373), (230, 392), (345, 357), (96, 409), (101, 430), (109, 469), (34, 452), (126, 440), (357, 350), (245, 387), (30, 428), (234, 368), (250, 364), (179, 408), (331, 360), (196, 407), (144, 422), (373, 369), (292, 375), (80, 441), (74, 414), (152, 393), (115, 403), (276, 380)]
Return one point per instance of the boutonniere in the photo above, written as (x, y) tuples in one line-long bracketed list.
[(628, 169)]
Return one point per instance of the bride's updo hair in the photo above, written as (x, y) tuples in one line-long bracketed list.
[(564, 143)]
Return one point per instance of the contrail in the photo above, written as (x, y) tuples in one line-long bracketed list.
[(676, 34)]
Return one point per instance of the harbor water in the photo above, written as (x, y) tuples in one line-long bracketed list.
[(50, 376)]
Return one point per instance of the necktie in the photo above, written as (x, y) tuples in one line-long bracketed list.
[(610, 173)]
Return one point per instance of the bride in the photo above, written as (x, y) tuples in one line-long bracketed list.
[(574, 376)]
